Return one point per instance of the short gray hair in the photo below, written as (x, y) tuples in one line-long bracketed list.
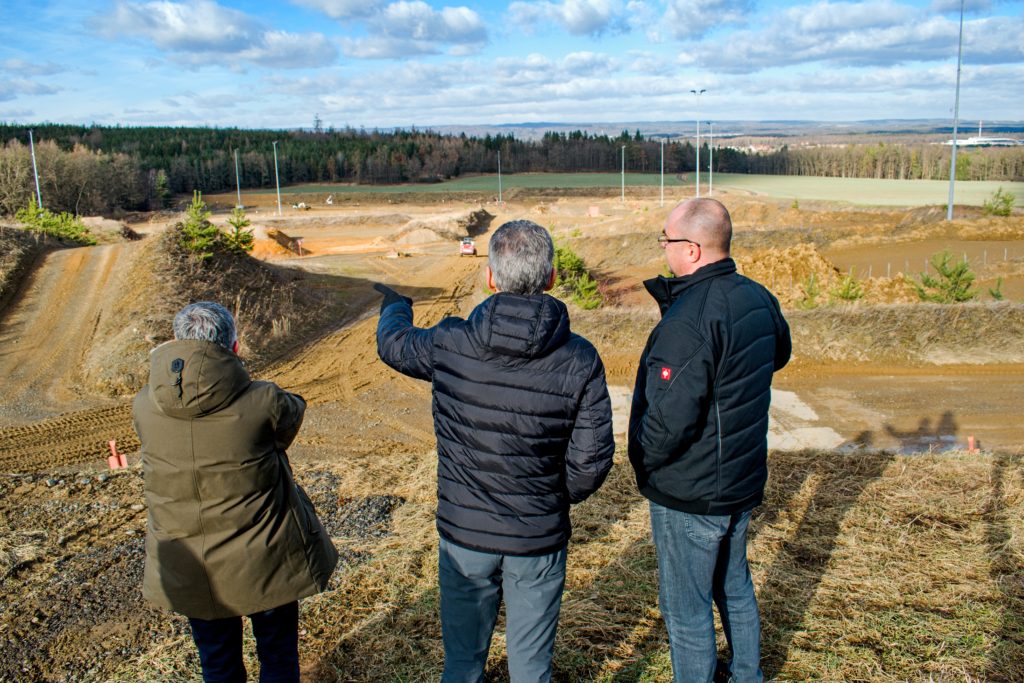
[(520, 256), (206, 321)]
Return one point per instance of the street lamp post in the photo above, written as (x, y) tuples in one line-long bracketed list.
[(623, 173), (238, 182), (663, 172), (711, 159), (956, 116), (499, 177), (698, 93), (35, 170), (277, 179)]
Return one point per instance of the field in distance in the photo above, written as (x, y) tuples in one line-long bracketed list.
[(862, 191)]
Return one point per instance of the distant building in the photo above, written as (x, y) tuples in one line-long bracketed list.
[(976, 141)]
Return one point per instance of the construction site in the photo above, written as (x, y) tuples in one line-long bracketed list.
[(890, 546)]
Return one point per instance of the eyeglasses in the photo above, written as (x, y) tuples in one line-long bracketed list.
[(664, 239)]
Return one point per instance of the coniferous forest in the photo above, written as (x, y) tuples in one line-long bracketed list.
[(97, 169)]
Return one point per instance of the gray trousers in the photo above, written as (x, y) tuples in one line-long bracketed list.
[(472, 586)]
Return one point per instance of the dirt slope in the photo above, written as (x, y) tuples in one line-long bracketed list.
[(49, 328)]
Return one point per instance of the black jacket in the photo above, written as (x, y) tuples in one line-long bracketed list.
[(699, 421), (521, 414)]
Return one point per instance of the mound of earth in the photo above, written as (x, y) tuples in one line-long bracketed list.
[(272, 307), (444, 227), (18, 249)]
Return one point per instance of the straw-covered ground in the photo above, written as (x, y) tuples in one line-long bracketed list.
[(868, 566)]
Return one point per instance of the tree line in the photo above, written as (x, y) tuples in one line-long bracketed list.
[(99, 169)]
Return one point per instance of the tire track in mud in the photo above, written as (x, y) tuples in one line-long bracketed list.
[(68, 439)]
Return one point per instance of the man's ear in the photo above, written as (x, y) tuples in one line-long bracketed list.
[(490, 281), (234, 347), (551, 280)]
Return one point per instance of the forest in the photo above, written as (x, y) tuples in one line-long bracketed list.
[(101, 169)]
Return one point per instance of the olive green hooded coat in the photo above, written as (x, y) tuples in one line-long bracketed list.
[(229, 531)]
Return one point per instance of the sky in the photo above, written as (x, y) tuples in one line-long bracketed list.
[(384, 63)]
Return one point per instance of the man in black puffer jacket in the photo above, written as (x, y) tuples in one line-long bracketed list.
[(698, 438), (523, 425)]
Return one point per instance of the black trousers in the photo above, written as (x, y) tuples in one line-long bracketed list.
[(277, 645)]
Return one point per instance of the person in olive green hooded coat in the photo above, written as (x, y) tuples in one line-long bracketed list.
[(229, 532)]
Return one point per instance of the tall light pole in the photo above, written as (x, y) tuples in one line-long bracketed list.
[(623, 173), (711, 159), (277, 179), (663, 172), (238, 183), (499, 176), (956, 115), (35, 170), (698, 93)]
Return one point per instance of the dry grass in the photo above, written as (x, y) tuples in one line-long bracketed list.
[(868, 566), (18, 248)]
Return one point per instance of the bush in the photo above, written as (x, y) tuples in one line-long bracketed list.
[(238, 239), (848, 289), (63, 226), (999, 204), (574, 279), (952, 284), (198, 235), (812, 290), (997, 292)]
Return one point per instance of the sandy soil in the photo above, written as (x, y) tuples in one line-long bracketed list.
[(71, 608)]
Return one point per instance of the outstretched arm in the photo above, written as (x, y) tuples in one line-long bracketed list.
[(400, 344)]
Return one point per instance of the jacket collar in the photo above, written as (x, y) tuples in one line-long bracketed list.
[(666, 290)]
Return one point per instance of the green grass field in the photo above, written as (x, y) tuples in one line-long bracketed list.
[(862, 191)]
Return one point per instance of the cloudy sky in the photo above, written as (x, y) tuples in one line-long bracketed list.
[(410, 62)]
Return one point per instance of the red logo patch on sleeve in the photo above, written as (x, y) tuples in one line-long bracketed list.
[(666, 374)]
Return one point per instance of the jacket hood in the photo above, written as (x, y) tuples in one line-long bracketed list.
[(666, 290), (525, 326), (192, 378)]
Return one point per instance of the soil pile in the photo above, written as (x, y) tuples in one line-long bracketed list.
[(444, 227), (18, 249), (272, 307)]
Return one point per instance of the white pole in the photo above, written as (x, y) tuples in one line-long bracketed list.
[(499, 176), (663, 172), (698, 93), (35, 170), (711, 159), (277, 179), (238, 182), (623, 173), (956, 116)]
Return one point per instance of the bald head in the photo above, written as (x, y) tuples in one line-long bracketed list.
[(705, 221)]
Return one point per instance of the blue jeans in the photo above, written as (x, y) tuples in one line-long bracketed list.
[(703, 559), (472, 585), (277, 645)]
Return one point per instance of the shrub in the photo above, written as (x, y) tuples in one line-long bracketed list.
[(952, 284), (63, 226), (574, 278), (997, 291), (239, 238), (999, 204), (848, 289), (811, 292), (198, 235)]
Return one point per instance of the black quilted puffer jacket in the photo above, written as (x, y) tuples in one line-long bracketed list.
[(521, 414), (699, 423)]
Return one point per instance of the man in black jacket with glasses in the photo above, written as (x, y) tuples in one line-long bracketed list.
[(698, 438)]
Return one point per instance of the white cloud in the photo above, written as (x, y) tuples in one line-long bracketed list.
[(342, 9), (413, 27), (578, 17), (954, 6), (27, 68), (199, 32), (11, 88), (688, 19)]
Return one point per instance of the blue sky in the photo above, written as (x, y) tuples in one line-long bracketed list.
[(409, 62)]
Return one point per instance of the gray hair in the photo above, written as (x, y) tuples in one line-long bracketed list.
[(206, 321), (520, 256)]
